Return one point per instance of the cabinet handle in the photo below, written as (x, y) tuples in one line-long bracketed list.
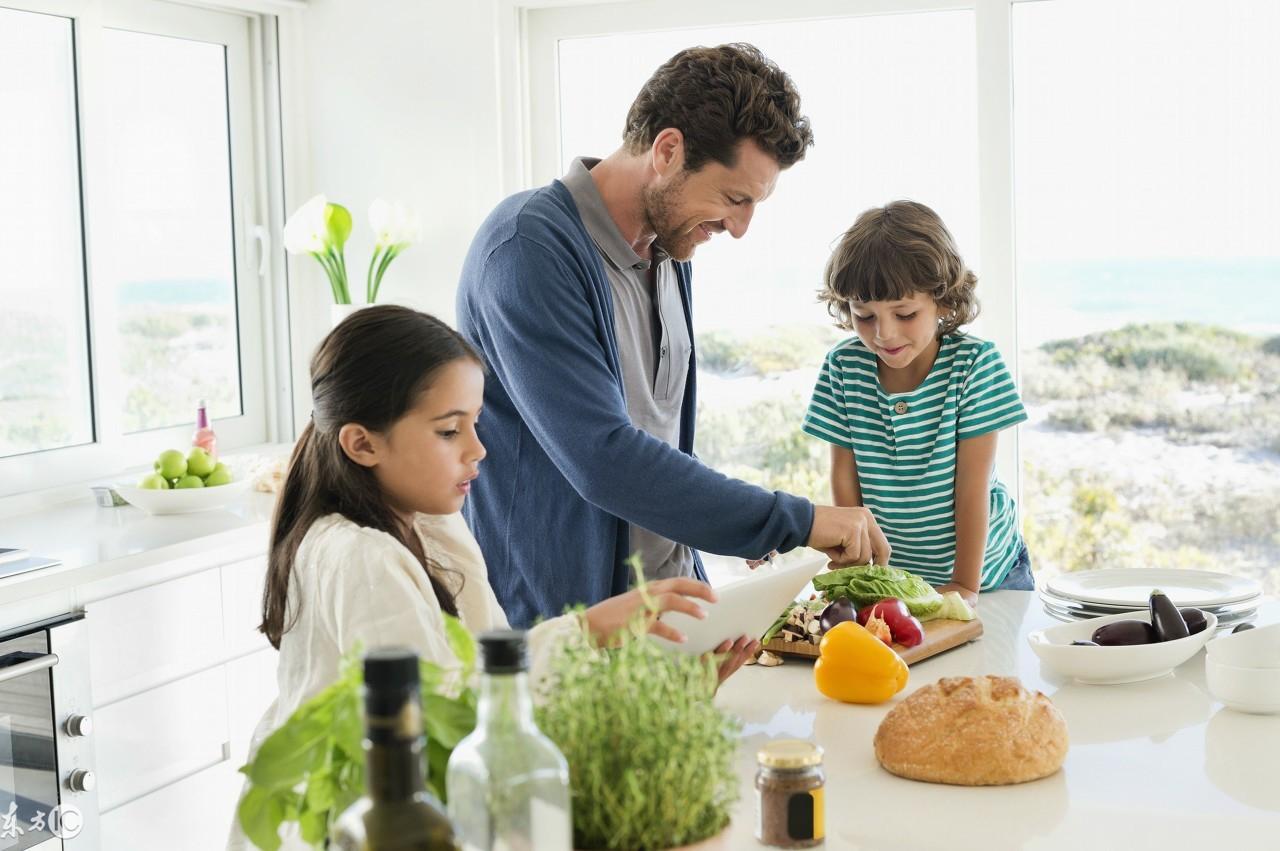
[(26, 663)]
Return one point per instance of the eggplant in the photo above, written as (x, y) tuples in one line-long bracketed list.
[(1166, 619), (1241, 627), (1194, 619), (1124, 633), (837, 612), (1085, 644)]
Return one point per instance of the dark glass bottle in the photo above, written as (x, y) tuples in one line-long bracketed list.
[(397, 813)]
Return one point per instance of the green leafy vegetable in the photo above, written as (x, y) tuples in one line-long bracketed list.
[(312, 768), (872, 583), (953, 608)]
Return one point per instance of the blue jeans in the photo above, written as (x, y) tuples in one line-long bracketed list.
[(1019, 577)]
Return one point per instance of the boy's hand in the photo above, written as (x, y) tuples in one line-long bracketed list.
[(967, 594), (753, 563)]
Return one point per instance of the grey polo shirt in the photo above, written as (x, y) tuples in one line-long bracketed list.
[(653, 344)]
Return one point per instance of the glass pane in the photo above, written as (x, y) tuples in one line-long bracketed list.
[(892, 100), (165, 246), (45, 395), (1148, 198)]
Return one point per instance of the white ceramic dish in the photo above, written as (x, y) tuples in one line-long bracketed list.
[(1254, 648), (183, 501), (1254, 690), (1107, 665), (1132, 586), (746, 607)]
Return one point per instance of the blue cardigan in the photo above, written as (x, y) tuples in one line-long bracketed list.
[(566, 469)]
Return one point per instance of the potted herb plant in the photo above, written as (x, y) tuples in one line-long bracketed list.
[(650, 756)]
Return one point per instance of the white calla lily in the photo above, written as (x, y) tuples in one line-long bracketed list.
[(393, 224), (306, 231), (395, 228)]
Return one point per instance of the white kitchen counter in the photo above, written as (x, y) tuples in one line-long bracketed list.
[(1155, 765), (110, 548)]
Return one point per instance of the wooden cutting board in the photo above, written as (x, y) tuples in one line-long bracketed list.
[(939, 635)]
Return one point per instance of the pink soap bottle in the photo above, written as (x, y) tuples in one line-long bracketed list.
[(204, 436)]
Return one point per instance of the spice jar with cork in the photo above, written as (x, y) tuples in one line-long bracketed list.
[(789, 794)]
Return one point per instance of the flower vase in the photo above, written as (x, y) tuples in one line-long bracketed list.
[(339, 312)]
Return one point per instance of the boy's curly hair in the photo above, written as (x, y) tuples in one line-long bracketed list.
[(893, 252), (716, 97)]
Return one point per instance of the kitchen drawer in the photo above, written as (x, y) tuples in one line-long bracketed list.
[(153, 635), (251, 688), (156, 738), (242, 606), (191, 815)]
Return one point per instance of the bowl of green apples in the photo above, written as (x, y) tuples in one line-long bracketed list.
[(182, 482)]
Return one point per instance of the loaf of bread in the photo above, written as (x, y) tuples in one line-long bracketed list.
[(967, 731)]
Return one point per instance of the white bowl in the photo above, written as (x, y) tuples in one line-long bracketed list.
[(1254, 648), (184, 500), (1129, 664), (1255, 690)]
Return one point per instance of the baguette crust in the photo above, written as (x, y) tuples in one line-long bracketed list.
[(967, 731)]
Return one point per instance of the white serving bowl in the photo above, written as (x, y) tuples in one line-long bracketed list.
[(1254, 648), (185, 500), (1255, 690), (1107, 665)]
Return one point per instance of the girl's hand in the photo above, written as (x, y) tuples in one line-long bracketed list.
[(738, 653), (605, 619), (967, 594)]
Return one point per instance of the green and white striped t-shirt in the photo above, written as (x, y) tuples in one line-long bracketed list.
[(907, 461)]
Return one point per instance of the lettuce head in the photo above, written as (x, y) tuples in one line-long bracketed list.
[(872, 583)]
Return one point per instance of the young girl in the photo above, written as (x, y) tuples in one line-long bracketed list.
[(367, 545), (911, 406)]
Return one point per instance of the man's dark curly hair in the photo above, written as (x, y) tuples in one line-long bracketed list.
[(716, 97)]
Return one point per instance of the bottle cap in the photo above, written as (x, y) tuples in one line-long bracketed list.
[(789, 753), (392, 668), (202, 404), (504, 651)]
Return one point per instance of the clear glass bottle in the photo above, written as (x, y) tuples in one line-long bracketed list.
[(204, 436), (397, 813), (508, 783)]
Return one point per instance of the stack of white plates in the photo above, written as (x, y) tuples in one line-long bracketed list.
[(1094, 593)]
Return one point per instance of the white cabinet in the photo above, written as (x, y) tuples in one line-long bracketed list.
[(181, 677), (150, 636), (158, 737), (191, 815)]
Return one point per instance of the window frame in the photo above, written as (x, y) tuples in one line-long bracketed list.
[(254, 175), (530, 29)]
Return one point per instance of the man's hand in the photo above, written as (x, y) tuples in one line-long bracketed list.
[(848, 536)]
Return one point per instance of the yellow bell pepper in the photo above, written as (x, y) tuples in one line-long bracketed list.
[(856, 667)]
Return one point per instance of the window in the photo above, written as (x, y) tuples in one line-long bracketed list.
[(45, 396), (127, 189), (1148, 221)]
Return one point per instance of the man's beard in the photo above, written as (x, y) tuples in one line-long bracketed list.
[(660, 210)]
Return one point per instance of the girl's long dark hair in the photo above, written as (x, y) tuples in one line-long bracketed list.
[(371, 369)]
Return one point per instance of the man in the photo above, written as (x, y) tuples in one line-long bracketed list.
[(578, 296)]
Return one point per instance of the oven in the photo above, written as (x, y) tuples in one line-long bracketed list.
[(48, 800)]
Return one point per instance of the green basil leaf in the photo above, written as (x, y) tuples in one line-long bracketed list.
[(260, 814)]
